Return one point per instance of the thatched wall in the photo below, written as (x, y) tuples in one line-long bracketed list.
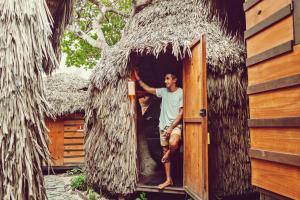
[(25, 43), (111, 146), (66, 93)]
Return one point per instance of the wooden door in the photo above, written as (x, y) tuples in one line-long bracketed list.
[(56, 145), (195, 173), (273, 51)]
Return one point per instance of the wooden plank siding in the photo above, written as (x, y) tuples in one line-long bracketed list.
[(286, 140), (279, 67), (263, 10), (273, 61), (67, 140), (73, 141), (275, 104), (271, 37)]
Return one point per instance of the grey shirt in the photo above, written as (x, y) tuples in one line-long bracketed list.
[(170, 105)]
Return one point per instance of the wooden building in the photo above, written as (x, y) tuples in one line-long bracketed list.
[(273, 48), (66, 94)]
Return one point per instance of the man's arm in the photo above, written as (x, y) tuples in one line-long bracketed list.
[(146, 87), (175, 123)]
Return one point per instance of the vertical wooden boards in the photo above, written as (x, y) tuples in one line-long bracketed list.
[(297, 21), (195, 126), (274, 95), (56, 146)]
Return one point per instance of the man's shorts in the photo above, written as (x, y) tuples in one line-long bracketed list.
[(164, 140)]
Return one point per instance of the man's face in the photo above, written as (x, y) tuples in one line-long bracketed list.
[(170, 81)]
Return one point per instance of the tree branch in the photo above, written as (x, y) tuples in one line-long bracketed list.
[(118, 12), (87, 38)]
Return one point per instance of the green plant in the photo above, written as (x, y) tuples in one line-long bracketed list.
[(78, 183), (74, 171), (142, 196), (92, 195)]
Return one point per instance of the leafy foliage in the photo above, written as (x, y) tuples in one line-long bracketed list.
[(142, 196), (79, 52), (78, 183)]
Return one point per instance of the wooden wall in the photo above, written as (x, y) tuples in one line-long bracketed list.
[(67, 140), (273, 49)]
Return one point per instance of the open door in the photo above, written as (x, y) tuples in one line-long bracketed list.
[(195, 170)]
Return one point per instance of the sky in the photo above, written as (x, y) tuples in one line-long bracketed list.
[(84, 73)]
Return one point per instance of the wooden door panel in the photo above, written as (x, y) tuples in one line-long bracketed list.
[(56, 147), (193, 158), (194, 126)]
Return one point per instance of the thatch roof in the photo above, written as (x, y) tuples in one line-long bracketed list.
[(25, 43), (162, 25), (66, 93)]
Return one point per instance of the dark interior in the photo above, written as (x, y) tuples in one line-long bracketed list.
[(152, 71)]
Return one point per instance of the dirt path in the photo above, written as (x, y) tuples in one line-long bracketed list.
[(55, 188)]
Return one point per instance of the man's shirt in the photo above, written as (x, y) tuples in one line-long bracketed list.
[(170, 105)]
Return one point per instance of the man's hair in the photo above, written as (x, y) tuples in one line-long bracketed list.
[(172, 75)]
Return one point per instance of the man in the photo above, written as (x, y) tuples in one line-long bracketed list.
[(169, 120)]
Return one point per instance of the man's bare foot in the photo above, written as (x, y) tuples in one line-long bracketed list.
[(165, 184), (166, 157)]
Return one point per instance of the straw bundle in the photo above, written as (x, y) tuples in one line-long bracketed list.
[(25, 44), (160, 26)]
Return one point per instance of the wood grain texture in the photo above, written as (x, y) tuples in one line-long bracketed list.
[(287, 122), (74, 146), (279, 67), (74, 141), (286, 140), (75, 159), (286, 82), (277, 157), (75, 134), (278, 178), (56, 135), (73, 153), (271, 37), (269, 21), (263, 10), (195, 127), (275, 104), (297, 21)]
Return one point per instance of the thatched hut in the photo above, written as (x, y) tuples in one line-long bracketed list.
[(28, 43), (67, 95), (161, 34)]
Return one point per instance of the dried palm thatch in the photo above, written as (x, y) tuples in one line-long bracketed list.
[(25, 42), (168, 25), (66, 93)]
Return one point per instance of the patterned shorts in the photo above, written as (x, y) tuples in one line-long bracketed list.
[(164, 140)]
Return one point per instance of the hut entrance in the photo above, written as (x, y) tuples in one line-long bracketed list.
[(190, 162)]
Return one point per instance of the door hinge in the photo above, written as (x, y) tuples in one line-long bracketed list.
[(202, 112)]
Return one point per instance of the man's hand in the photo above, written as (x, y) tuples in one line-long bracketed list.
[(136, 74), (146, 87), (168, 131)]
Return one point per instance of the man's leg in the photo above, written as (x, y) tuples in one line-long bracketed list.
[(167, 166), (173, 145)]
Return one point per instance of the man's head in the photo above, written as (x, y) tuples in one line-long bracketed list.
[(170, 80)]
